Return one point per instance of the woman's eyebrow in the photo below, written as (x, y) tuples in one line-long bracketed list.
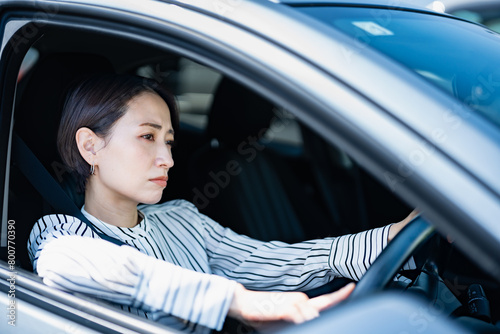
[(156, 126), (153, 125)]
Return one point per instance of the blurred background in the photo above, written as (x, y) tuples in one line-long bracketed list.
[(486, 12)]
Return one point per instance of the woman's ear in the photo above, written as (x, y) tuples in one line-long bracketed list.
[(87, 142)]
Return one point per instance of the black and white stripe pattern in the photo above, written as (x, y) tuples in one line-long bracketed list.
[(177, 233)]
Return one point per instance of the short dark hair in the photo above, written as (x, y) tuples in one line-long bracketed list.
[(97, 102)]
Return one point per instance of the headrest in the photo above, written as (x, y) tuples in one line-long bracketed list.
[(237, 114)]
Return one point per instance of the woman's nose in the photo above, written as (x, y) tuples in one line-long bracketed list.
[(164, 158)]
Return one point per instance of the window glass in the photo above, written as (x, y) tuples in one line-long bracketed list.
[(30, 59), (194, 86), (459, 57)]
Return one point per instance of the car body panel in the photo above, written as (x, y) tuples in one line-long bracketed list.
[(389, 311), (53, 311)]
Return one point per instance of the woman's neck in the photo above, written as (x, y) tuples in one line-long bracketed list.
[(114, 212)]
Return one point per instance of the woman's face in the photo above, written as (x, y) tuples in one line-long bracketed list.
[(133, 165)]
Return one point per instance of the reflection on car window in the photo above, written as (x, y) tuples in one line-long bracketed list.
[(466, 67), (489, 17), (30, 59), (192, 83), (194, 86)]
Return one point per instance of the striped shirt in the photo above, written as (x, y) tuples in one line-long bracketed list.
[(183, 238)]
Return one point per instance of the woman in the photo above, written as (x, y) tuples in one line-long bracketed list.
[(117, 133)]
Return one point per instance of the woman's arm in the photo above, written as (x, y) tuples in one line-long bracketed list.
[(301, 266), (281, 266), (124, 275), (395, 228)]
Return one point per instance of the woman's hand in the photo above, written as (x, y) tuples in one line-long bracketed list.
[(395, 228), (260, 306)]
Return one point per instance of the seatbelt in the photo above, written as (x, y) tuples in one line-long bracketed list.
[(47, 186)]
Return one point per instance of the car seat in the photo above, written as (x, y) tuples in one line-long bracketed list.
[(240, 183)]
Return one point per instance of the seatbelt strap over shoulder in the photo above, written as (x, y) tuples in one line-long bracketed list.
[(47, 186)]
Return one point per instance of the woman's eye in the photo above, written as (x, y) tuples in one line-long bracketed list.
[(148, 137), (170, 143)]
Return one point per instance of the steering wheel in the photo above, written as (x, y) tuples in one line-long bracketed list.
[(393, 257)]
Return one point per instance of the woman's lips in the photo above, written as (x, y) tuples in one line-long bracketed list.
[(161, 181)]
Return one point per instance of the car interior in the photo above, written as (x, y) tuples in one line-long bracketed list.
[(292, 184)]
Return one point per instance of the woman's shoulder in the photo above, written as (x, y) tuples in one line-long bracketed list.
[(56, 220), (53, 226), (58, 224), (173, 205)]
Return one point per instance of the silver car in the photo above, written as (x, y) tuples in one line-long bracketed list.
[(344, 115)]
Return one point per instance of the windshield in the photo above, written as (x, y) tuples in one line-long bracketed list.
[(461, 58)]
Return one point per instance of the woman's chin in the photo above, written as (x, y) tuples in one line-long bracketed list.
[(151, 199)]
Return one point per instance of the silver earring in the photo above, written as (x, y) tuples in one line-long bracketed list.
[(92, 169)]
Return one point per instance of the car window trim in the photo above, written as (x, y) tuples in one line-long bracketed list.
[(10, 28), (77, 308)]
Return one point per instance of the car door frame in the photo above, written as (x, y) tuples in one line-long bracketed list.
[(323, 116)]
